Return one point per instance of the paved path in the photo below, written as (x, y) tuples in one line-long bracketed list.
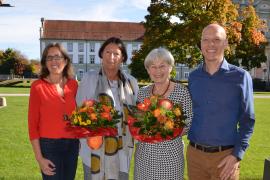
[(4, 95), (262, 96)]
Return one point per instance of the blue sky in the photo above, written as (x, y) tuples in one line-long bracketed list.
[(19, 25)]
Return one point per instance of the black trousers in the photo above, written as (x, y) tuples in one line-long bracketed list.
[(64, 154)]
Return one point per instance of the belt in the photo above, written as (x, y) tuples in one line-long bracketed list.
[(210, 149)]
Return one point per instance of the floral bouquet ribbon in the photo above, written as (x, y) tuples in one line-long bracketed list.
[(95, 118), (155, 120)]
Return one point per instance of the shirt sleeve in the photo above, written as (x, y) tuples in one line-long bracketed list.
[(247, 117), (33, 114)]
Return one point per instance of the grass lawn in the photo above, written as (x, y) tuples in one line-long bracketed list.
[(17, 159), (12, 90)]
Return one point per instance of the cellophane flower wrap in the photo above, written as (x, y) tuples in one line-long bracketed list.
[(155, 120), (94, 118)]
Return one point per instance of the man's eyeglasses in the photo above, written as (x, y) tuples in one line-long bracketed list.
[(56, 57)]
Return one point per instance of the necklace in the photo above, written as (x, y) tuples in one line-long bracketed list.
[(162, 95)]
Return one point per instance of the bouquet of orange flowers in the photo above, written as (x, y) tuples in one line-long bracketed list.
[(94, 118), (155, 120)]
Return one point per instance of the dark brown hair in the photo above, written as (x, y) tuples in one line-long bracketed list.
[(118, 42), (68, 70)]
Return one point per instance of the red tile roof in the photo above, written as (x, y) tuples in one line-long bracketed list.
[(92, 30)]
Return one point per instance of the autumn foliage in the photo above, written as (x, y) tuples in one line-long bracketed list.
[(177, 25)]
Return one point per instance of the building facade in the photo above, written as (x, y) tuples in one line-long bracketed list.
[(82, 40)]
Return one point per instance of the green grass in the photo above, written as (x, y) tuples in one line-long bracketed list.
[(17, 159)]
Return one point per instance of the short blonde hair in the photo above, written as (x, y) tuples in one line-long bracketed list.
[(158, 54)]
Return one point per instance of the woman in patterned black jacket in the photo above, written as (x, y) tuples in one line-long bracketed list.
[(164, 160)]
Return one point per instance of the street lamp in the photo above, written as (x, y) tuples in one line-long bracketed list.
[(4, 5), (268, 76)]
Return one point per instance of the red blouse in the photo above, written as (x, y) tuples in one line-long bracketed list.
[(47, 109)]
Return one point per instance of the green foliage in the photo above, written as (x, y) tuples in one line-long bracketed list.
[(137, 67), (177, 26)]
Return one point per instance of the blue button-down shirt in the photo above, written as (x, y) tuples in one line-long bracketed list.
[(223, 108)]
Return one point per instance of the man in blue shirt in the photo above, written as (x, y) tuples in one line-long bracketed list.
[(223, 111)]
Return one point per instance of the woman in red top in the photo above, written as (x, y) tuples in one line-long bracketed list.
[(52, 99)]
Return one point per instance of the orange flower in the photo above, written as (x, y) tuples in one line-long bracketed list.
[(91, 110), (106, 108), (89, 103), (106, 115), (169, 124), (162, 119), (84, 109), (93, 116), (142, 107), (177, 112), (156, 113), (147, 102)]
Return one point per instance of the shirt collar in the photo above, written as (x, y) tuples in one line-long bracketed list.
[(224, 66)]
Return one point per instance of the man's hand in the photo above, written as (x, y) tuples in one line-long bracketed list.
[(230, 165)]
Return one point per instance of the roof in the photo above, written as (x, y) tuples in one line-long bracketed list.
[(92, 30)]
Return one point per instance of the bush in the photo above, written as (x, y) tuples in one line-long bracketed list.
[(259, 85)]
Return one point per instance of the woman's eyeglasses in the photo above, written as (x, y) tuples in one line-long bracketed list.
[(56, 58)]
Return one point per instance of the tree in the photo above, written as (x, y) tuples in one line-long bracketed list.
[(14, 61), (251, 49), (7, 61), (177, 25)]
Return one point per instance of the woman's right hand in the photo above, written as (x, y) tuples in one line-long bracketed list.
[(46, 166)]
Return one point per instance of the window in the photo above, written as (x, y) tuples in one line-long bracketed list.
[(92, 47), (81, 47), (47, 43), (70, 47), (71, 57), (186, 75), (80, 74), (92, 59), (80, 59), (134, 48)]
